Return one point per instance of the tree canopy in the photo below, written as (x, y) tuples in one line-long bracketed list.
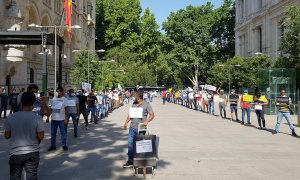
[(192, 40)]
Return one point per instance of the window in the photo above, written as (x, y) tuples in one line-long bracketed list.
[(58, 6), (31, 76), (260, 4), (259, 39), (242, 4)]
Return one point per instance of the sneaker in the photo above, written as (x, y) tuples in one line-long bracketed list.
[(260, 128), (128, 164), (294, 134), (274, 132), (52, 148), (242, 123), (248, 123), (65, 148)]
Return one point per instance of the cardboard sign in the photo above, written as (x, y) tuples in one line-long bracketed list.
[(56, 104), (71, 103), (258, 107), (285, 100), (247, 98), (136, 113), (144, 146)]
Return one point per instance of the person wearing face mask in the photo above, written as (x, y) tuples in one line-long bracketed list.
[(82, 107), (40, 105), (4, 103), (73, 108), (59, 118), (145, 115), (91, 107), (283, 103)]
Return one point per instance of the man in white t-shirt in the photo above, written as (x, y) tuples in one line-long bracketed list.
[(59, 118)]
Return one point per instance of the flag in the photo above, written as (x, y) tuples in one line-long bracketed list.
[(68, 8)]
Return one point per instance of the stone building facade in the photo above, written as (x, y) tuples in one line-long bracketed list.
[(259, 26), (22, 64)]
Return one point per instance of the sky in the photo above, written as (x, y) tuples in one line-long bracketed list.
[(163, 8)]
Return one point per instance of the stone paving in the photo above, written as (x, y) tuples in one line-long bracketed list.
[(193, 145)]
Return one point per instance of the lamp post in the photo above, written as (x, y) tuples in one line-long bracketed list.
[(100, 50), (229, 75), (55, 44)]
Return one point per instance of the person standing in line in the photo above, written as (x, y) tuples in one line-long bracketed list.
[(100, 105), (246, 107), (164, 96), (199, 101), (25, 129), (205, 102), (59, 118), (19, 104), (211, 104), (133, 130), (260, 102), (91, 107), (191, 99), (222, 102), (4, 103), (284, 111), (73, 109), (82, 99), (13, 101), (233, 100)]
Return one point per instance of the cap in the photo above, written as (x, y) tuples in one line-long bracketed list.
[(246, 91)]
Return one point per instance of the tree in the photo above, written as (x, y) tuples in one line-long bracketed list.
[(197, 38), (150, 37), (118, 21), (223, 34), (79, 71), (246, 75), (291, 40)]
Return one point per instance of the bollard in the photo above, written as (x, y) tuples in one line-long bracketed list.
[(298, 113)]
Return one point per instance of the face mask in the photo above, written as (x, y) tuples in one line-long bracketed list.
[(73, 94), (36, 95)]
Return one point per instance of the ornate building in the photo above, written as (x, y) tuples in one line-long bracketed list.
[(259, 26), (21, 64)]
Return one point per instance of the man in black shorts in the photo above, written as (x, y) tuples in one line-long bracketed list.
[(233, 99)]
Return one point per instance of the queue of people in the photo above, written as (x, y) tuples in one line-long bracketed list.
[(25, 126), (205, 101)]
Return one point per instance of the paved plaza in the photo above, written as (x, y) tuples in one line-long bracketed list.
[(193, 145)]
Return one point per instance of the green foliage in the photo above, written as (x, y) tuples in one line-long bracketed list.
[(291, 41), (195, 39), (118, 21), (79, 71), (245, 75)]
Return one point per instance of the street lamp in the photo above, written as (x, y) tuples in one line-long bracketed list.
[(100, 50), (229, 75), (259, 53), (55, 44)]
